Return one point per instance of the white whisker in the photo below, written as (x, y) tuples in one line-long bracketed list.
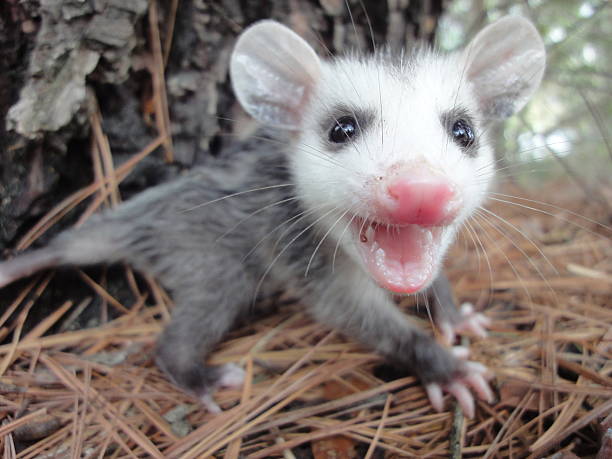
[(323, 239), (277, 257), (233, 195)]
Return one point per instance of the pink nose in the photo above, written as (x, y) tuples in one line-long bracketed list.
[(422, 200)]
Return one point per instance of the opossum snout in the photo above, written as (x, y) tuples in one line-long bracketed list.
[(418, 197)]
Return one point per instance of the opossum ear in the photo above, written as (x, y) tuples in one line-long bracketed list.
[(273, 72), (505, 63)]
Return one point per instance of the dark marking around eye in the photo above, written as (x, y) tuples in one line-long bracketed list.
[(344, 124), (460, 127)]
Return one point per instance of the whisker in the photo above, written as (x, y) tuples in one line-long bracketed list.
[(428, 308), (239, 193), (468, 230), (252, 214), (350, 222), (515, 228), (486, 256), (527, 257), (512, 267), (303, 147), (323, 239), (542, 203), (299, 216), (277, 257)]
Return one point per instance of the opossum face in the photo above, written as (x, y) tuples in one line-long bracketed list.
[(402, 157), (390, 152)]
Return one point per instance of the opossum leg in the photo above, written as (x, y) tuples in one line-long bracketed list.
[(450, 320), (200, 320), (369, 315)]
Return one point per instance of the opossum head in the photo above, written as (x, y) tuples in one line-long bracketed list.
[(389, 152)]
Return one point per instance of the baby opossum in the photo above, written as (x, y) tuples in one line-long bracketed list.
[(365, 171)]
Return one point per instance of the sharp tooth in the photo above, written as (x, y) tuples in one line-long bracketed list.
[(367, 231), (370, 233), (363, 232)]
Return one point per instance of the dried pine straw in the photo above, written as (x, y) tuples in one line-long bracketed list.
[(96, 392)]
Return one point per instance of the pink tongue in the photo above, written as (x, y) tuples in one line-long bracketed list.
[(399, 259)]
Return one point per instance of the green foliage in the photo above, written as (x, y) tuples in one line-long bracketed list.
[(572, 113)]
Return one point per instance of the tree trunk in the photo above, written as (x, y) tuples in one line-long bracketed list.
[(79, 77), (58, 57)]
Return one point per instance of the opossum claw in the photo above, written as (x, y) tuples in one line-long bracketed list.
[(471, 322), (474, 379)]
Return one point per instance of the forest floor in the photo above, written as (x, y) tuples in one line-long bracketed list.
[(545, 283)]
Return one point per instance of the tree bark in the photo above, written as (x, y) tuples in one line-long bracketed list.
[(62, 59)]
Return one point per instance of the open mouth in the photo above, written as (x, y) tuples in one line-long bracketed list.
[(400, 258)]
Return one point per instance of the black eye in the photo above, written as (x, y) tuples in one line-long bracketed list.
[(343, 129), (463, 133)]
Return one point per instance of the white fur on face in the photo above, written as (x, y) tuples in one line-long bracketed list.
[(406, 108), (407, 103)]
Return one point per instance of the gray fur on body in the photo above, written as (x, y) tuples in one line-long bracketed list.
[(213, 251)]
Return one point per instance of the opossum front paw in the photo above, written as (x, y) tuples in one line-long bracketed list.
[(201, 381), (472, 377), (470, 322), (229, 376)]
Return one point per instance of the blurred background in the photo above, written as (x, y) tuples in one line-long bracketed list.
[(565, 130)]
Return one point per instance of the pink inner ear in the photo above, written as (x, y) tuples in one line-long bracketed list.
[(273, 71), (506, 62)]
